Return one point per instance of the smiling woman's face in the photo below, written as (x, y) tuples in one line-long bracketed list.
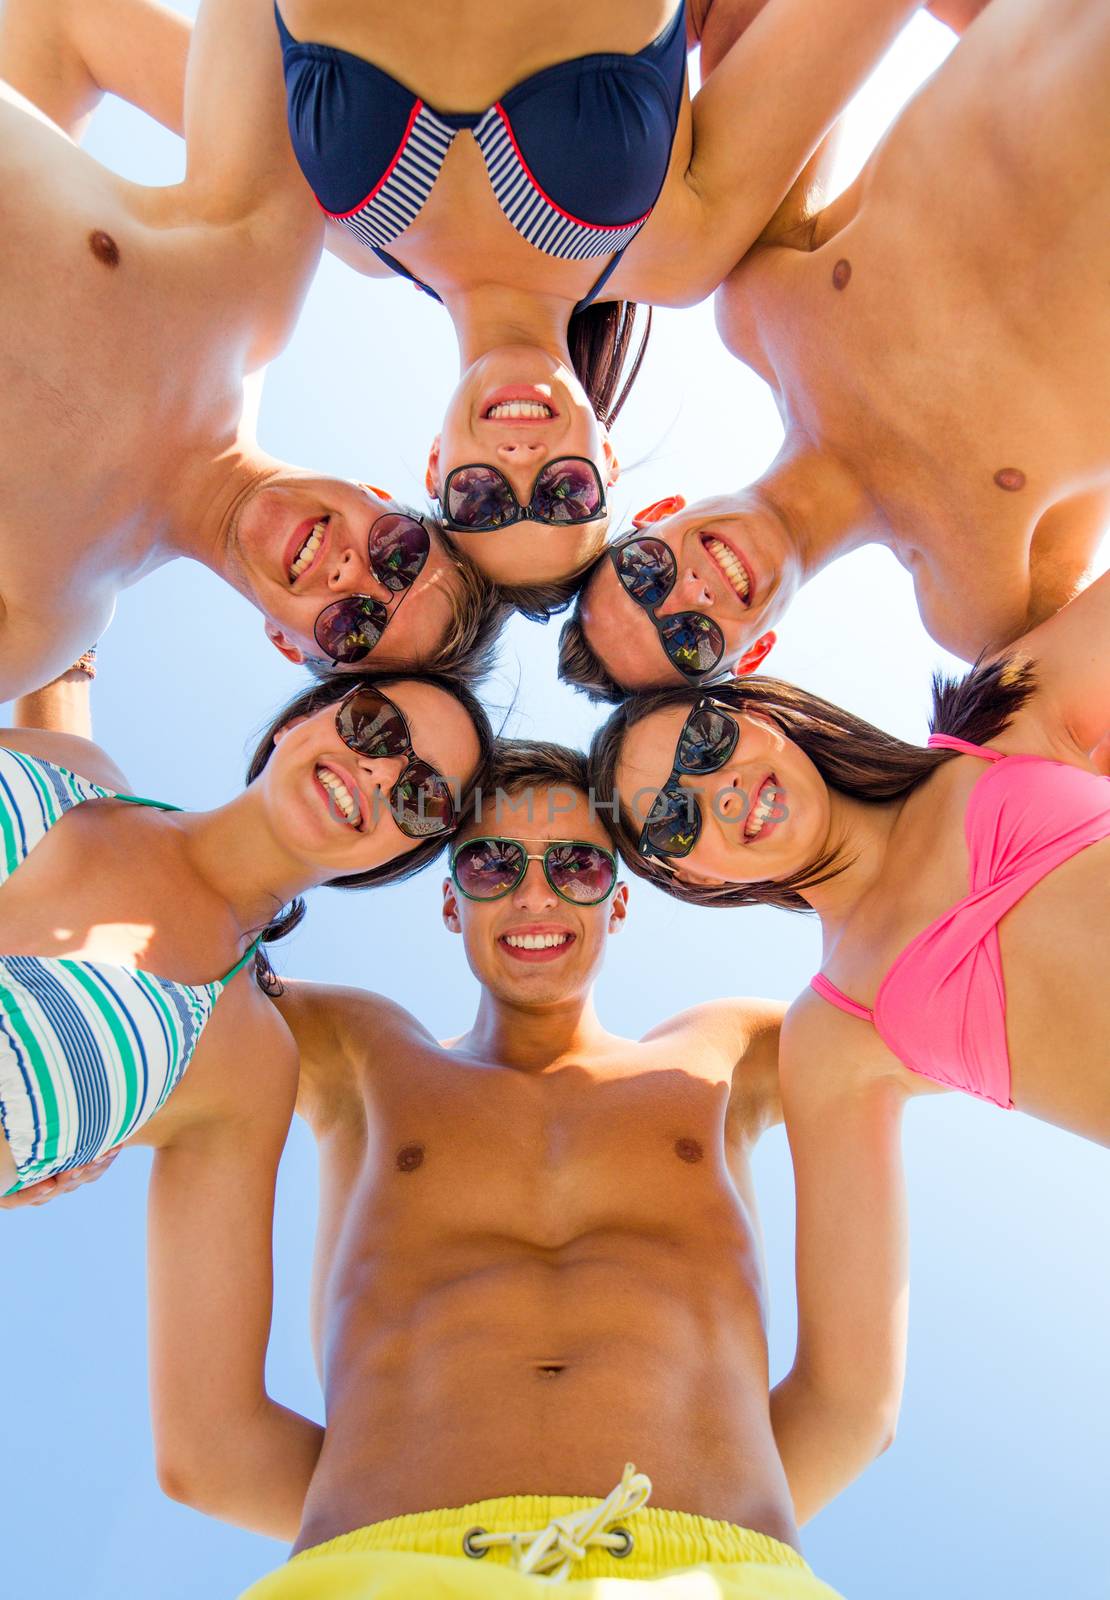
[(516, 409), (764, 813), (330, 806)]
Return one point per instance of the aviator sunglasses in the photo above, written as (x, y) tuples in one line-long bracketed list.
[(477, 498), (421, 800), (647, 571), (397, 548), (579, 872), (709, 736)]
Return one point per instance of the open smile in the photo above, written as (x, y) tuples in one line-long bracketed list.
[(306, 547), (768, 798), (732, 566), (536, 944), (342, 797), (519, 403)]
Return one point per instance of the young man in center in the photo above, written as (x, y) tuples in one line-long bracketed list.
[(537, 1261)]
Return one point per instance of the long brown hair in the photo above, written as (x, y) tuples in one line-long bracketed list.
[(329, 691), (852, 756), (599, 339)]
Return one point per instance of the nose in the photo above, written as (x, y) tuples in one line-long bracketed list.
[(731, 800), (518, 452), (350, 573), (690, 591), (533, 892), (378, 776)]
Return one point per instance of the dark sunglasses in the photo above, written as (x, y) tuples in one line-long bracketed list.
[(486, 869), (647, 571), (421, 800), (709, 736), (397, 548), (477, 498)]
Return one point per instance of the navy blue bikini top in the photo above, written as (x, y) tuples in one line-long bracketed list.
[(576, 154)]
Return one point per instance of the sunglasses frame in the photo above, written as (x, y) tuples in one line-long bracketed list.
[(390, 607), (644, 847), (527, 856), (411, 760), (640, 537), (524, 513)]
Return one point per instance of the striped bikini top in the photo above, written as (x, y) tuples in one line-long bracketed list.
[(941, 1007), (94, 1048), (576, 154)]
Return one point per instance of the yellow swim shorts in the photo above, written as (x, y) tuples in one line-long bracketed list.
[(671, 1555)]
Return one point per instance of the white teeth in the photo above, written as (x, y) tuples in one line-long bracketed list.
[(519, 408), (535, 941), (308, 549), (761, 811), (340, 793), (732, 569)]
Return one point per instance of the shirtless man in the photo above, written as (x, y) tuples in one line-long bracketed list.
[(538, 1259), (132, 318), (938, 344)]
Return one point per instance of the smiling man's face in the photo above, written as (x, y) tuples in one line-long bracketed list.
[(302, 543), (734, 563)]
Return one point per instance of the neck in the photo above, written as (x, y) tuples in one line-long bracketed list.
[(492, 315), (208, 495), (234, 852), (533, 1038), (858, 839), (821, 504)]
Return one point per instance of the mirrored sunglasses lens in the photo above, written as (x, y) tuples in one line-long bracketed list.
[(423, 803), (567, 491), (348, 630), (580, 872), (694, 643), (646, 568), (487, 868), (398, 548), (674, 823), (479, 497), (707, 741), (372, 725)]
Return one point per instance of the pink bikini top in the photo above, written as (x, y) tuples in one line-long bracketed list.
[(941, 1008)]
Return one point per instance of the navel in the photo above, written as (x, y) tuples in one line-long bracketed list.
[(1011, 478), (688, 1150), (841, 274), (104, 247), (409, 1157)]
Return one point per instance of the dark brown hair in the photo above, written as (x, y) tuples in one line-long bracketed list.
[(520, 767), (329, 691), (579, 662), (852, 756), (479, 611), (599, 339)]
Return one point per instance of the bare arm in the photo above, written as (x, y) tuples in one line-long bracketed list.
[(836, 1409), (222, 1444), (65, 54), (1071, 656), (757, 121)]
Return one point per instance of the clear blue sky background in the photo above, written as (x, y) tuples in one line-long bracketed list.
[(996, 1485)]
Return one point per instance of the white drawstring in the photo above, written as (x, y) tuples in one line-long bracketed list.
[(552, 1551)]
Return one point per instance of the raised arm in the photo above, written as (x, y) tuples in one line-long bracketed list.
[(836, 1409), (55, 724), (222, 1444), (65, 54), (756, 122)]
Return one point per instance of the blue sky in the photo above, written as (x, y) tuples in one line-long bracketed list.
[(995, 1484)]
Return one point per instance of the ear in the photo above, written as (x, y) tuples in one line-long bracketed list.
[(379, 494), (431, 476), (287, 727), (450, 908), (618, 911), (658, 510), (754, 655), (612, 465), (291, 652)]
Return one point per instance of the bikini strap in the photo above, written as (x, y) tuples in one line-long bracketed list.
[(606, 274), (948, 741), (403, 272), (248, 955), (836, 997)]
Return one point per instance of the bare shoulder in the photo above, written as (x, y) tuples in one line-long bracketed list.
[(68, 750), (739, 1037), (336, 1011), (825, 1053)]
